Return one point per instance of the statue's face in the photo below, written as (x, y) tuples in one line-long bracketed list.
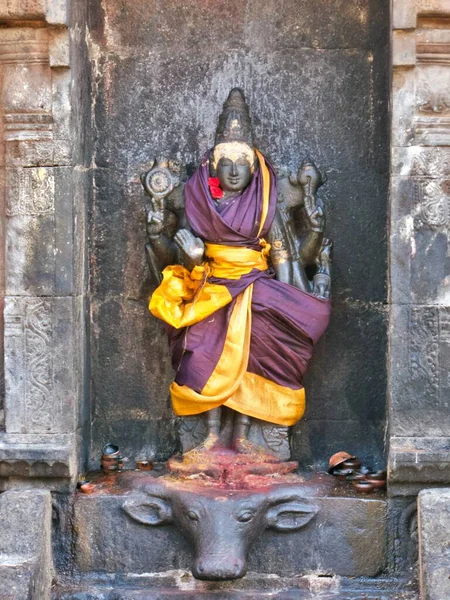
[(234, 165), (234, 175)]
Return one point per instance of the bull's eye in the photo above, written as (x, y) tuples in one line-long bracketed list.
[(245, 517), (192, 515)]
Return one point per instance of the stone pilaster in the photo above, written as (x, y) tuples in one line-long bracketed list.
[(43, 210), (419, 388), (25, 545), (434, 526)]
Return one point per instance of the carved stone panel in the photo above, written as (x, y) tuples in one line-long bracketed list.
[(35, 97), (30, 192), (420, 386), (40, 369), (39, 231), (420, 233)]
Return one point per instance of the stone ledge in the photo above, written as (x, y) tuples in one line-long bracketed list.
[(418, 462), (38, 456), (181, 585)]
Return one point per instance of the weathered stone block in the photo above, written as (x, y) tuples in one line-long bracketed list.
[(432, 98), (41, 376), (403, 106), (417, 462), (403, 14), (22, 9), (38, 456), (420, 162), (434, 544), (347, 537), (25, 546), (57, 12), (345, 410), (420, 239), (433, 7), (403, 48), (39, 231), (418, 364)]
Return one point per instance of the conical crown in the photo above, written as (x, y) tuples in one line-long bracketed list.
[(234, 122)]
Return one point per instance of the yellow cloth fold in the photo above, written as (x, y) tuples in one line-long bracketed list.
[(184, 298), (232, 262), (263, 399)]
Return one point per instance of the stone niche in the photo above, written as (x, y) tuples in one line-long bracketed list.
[(316, 77)]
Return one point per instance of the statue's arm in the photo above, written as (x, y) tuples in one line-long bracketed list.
[(300, 192), (169, 239), (286, 265)]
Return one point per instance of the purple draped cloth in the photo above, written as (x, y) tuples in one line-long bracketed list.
[(286, 321)]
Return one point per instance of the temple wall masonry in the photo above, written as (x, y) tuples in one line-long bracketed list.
[(90, 92), (419, 388), (317, 85)]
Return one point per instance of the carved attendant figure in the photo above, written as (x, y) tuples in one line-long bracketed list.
[(242, 314)]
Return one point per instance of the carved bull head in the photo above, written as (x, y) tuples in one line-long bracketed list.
[(222, 526)]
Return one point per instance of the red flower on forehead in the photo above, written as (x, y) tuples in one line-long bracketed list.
[(214, 188)]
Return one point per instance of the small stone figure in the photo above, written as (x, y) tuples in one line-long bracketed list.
[(235, 244)]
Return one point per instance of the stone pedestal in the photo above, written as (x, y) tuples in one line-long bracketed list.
[(346, 537)]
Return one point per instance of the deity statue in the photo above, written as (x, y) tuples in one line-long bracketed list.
[(245, 287)]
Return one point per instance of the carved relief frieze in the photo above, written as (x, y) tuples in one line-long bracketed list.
[(38, 327), (444, 326), (424, 346), (26, 96), (432, 45), (29, 362), (432, 205), (29, 191), (434, 162)]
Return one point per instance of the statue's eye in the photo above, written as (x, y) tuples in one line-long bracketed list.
[(245, 517), (192, 515)]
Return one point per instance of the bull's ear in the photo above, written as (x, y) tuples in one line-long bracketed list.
[(149, 509), (290, 515)]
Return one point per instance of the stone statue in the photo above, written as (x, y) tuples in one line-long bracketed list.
[(235, 245)]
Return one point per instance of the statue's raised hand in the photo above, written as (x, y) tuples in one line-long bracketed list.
[(192, 246), (315, 215), (159, 181), (310, 178)]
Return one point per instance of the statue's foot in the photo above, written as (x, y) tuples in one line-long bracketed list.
[(243, 446), (210, 444)]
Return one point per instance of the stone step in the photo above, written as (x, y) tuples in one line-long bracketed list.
[(180, 585)]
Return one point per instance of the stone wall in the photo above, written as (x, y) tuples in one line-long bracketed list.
[(419, 386), (44, 182), (317, 83)]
